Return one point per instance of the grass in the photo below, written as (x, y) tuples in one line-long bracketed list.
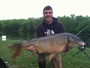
[(24, 61)]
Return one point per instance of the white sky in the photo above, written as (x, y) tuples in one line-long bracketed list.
[(18, 9)]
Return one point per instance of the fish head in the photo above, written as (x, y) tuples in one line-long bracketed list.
[(76, 41)]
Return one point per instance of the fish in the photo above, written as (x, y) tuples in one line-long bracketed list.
[(50, 45)]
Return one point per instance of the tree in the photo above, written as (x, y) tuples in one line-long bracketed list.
[(0, 29)]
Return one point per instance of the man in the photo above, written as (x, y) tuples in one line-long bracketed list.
[(49, 26)]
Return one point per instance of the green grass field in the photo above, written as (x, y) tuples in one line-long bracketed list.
[(24, 61)]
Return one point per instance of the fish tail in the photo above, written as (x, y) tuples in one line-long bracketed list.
[(18, 52), (18, 48)]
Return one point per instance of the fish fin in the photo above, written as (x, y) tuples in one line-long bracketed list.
[(51, 56), (34, 52), (18, 52)]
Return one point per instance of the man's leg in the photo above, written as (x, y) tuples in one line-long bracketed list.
[(56, 61), (42, 60)]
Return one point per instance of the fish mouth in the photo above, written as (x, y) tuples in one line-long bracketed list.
[(82, 47), (82, 44)]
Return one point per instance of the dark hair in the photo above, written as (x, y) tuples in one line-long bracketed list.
[(47, 8)]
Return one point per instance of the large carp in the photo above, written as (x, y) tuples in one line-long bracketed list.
[(50, 45)]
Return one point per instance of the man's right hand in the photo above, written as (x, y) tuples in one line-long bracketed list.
[(31, 48)]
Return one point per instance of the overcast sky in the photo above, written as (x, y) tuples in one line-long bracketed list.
[(18, 9)]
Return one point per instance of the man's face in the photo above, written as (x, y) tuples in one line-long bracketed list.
[(48, 14)]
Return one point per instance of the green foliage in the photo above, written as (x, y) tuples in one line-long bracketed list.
[(69, 24), (26, 28), (0, 28)]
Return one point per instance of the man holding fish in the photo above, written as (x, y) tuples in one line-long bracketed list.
[(52, 45), (49, 26)]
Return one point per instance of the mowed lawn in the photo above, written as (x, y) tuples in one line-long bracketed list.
[(24, 61)]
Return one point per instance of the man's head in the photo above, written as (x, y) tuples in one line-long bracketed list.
[(48, 14)]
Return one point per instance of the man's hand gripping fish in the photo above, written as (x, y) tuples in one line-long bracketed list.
[(50, 45)]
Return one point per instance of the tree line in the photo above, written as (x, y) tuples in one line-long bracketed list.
[(26, 28)]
